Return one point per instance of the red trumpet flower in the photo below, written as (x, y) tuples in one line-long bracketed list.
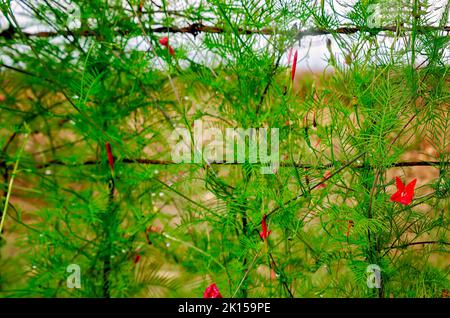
[(404, 194), (165, 42), (212, 292), (264, 233), (294, 66), (110, 156)]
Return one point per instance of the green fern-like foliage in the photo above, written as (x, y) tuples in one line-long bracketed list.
[(146, 226)]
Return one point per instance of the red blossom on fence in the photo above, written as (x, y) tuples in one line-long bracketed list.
[(264, 233), (212, 292), (404, 194)]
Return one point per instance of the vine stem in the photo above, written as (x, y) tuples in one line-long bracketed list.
[(317, 184), (11, 180), (286, 286), (372, 195), (416, 243), (246, 273), (106, 226), (195, 248)]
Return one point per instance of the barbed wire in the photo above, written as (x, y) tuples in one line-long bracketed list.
[(47, 164), (196, 28)]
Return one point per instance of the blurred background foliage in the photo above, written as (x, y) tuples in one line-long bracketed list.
[(76, 75)]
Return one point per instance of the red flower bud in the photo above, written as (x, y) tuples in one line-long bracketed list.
[(165, 42), (273, 275), (350, 225), (321, 186), (137, 258), (294, 66), (289, 56), (110, 156), (326, 176)]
